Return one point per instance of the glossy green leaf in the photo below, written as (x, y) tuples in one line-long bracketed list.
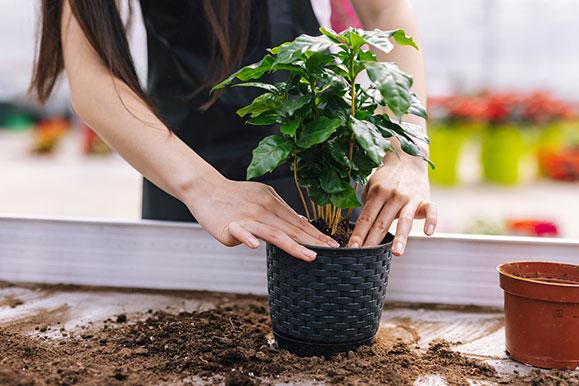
[(331, 182), (378, 38), (291, 51), (317, 131), (291, 105), (266, 119), (290, 127), (261, 104), (393, 84), (401, 38), (265, 86), (413, 149), (339, 152), (331, 34), (370, 139), (271, 152), (416, 107), (253, 71), (346, 198)]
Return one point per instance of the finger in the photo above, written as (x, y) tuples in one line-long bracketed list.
[(403, 228), (291, 230), (289, 215), (240, 233), (281, 240), (383, 222), (431, 215), (367, 217)]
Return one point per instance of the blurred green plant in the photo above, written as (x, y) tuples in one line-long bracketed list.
[(332, 130)]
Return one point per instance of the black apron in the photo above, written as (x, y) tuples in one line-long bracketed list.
[(178, 45)]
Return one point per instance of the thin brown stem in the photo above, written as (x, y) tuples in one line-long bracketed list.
[(297, 182), (314, 212)]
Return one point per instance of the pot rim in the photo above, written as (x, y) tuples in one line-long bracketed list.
[(501, 270), (389, 237)]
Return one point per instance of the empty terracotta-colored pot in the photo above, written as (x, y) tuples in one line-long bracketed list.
[(542, 313)]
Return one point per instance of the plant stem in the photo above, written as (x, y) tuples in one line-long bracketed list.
[(337, 218), (314, 213), (297, 182), (351, 144)]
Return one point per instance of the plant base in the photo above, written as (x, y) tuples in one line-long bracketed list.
[(309, 349)]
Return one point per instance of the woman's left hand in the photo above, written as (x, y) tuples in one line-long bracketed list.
[(397, 190)]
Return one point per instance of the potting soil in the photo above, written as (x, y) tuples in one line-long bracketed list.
[(230, 344)]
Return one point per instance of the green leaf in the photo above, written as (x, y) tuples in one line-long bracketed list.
[(393, 84), (370, 139), (291, 105), (271, 152), (378, 38), (261, 104), (290, 127), (354, 38), (317, 131), (291, 51), (331, 182), (331, 34), (266, 119), (416, 107), (401, 38), (315, 192), (415, 131), (408, 130), (253, 71), (265, 86), (338, 153), (413, 149), (346, 198)]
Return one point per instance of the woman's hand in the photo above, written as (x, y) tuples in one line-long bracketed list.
[(399, 189), (243, 212)]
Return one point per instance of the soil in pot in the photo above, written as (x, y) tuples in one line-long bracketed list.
[(342, 234), (542, 313)]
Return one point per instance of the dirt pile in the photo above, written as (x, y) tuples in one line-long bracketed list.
[(229, 344)]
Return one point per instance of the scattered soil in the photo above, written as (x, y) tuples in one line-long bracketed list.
[(10, 301), (343, 231), (229, 344), (547, 378)]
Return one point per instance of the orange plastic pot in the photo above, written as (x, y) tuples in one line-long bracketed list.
[(542, 313)]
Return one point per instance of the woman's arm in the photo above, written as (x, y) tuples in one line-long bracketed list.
[(400, 188), (233, 212)]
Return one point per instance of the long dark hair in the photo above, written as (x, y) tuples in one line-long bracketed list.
[(101, 22)]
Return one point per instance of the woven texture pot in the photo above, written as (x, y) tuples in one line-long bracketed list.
[(330, 305)]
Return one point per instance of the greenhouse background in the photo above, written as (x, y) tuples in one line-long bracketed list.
[(480, 55)]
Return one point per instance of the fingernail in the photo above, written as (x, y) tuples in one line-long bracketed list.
[(253, 242), (309, 254), (355, 245), (430, 229), (398, 248), (333, 243)]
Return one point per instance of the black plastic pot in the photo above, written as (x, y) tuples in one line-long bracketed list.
[(330, 305)]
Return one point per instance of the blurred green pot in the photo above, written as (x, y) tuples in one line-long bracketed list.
[(446, 144), (502, 153)]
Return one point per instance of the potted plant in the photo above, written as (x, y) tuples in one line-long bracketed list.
[(333, 131)]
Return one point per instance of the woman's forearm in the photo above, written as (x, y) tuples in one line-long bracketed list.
[(125, 122)]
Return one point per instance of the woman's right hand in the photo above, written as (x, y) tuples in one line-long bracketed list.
[(242, 212)]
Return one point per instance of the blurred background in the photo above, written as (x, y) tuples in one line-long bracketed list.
[(503, 76)]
